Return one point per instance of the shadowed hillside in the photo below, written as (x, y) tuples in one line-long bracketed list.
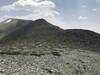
[(25, 36), (79, 38), (40, 37), (40, 48), (29, 29)]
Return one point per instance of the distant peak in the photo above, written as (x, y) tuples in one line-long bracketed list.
[(41, 20), (11, 19), (23, 20), (8, 20)]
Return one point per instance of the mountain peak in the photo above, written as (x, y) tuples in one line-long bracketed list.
[(41, 20)]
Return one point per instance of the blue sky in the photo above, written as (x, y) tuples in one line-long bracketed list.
[(68, 14)]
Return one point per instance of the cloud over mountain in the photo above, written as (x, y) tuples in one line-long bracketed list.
[(30, 9)]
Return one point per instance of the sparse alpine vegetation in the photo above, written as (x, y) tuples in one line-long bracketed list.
[(40, 48), (40, 37)]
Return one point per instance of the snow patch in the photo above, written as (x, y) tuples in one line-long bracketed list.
[(8, 21)]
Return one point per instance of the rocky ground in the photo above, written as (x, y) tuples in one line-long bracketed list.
[(69, 62)]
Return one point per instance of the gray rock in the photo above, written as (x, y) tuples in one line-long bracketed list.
[(76, 62)]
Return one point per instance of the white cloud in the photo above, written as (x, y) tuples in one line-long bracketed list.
[(36, 9), (95, 9), (98, 0), (82, 18), (84, 6)]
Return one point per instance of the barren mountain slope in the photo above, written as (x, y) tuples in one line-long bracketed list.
[(40, 48)]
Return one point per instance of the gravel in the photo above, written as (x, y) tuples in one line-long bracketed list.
[(73, 62)]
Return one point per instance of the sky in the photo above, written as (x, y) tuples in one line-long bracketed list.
[(67, 14)]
